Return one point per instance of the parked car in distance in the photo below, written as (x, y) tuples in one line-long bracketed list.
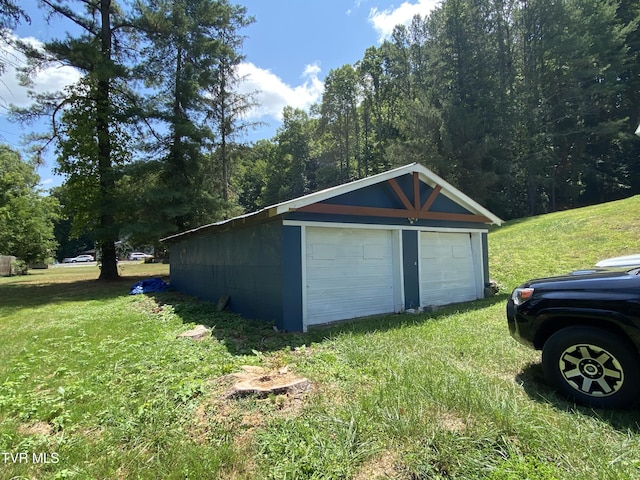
[(625, 261), (139, 256), (588, 328), (79, 258)]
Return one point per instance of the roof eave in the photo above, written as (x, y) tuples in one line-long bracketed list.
[(292, 205)]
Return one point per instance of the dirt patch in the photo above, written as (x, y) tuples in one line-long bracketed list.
[(242, 402), (452, 423), (386, 465), (238, 417), (37, 428)]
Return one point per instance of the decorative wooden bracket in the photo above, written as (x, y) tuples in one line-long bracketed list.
[(411, 210)]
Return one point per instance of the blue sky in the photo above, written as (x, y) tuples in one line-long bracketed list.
[(289, 50)]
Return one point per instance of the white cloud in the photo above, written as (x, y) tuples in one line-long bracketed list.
[(50, 79), (386, 20), (272, 94)]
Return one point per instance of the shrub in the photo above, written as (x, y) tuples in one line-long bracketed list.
[(19, 267)]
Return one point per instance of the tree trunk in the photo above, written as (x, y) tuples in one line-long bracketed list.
[(109, 270), (223, 133), (178, 168)]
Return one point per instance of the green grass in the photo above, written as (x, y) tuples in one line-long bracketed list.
[(98, 380), (564, 241)]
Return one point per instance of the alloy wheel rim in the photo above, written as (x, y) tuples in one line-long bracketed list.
[(591, 370)]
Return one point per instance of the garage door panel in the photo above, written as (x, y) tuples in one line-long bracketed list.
[(349, 273), (460, 251), (447, 271)]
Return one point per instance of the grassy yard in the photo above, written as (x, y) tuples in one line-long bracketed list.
[(95, 384)]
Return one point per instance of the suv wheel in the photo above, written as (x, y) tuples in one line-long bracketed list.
[(593, 367)]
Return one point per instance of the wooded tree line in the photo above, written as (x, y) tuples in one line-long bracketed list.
[(525, 105)]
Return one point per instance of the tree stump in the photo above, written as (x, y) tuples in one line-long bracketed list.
[(260, 383)]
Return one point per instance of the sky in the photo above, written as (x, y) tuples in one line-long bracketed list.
[(289, 49)]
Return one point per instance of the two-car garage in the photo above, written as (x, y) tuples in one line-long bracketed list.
[(355, 272), (398, 240)]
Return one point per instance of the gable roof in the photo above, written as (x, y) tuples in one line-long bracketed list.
[(423, 174)]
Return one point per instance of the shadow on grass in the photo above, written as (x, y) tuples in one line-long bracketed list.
[(242, 336), (32, 291), (535, 385)]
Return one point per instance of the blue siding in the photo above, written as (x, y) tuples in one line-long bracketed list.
[(245, 264), (410, 269), (379, 195), (292, 279)]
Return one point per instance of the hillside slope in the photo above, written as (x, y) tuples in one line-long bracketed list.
[(560, 242)]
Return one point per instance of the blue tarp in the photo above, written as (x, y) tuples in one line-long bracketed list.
[(150, 285)]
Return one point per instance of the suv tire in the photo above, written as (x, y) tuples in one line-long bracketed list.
[(593, 367)]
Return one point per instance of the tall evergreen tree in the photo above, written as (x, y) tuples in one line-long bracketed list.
[(191, 54), (226, 106), (628, 17), (89, 119), (178, 57)]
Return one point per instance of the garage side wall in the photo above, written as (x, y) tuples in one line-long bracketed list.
[(292, 279), (245, 264)]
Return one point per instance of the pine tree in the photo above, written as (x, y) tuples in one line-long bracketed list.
[(89, 120)]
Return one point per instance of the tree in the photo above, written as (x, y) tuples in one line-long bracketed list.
[(26, 217), (294, 140), (255, 166), (176, 66), (377, 109), (339, 119), (190, 54), (69, 242), (628, 147), (463, 86), (568, 104), (598, 116), (89, 120), (226, 106)]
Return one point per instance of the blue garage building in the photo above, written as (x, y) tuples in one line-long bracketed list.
[(401, 239)]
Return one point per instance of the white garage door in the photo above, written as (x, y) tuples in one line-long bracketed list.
[(349, 273), (447, 269)]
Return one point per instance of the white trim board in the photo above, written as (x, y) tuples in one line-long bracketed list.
[(303, 223)]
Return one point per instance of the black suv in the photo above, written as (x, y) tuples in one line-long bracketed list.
[(587, 325)]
